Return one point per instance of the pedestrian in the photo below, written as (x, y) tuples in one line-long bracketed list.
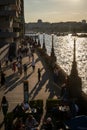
[(4, 105), (49, 124), (10, 59), (20, 58), (2, 78), (29, 57), (20, 68), (17, 58), (14, 67), (39, 74), (25, 69), (26, 51), (32, 56), (0, 65), (33, 65), (6, 61)]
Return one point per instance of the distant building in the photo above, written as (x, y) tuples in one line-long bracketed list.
[(60, 27), (39, 21), (38, 26), (83, 21)]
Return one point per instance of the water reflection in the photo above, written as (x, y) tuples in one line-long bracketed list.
[(63, 47)]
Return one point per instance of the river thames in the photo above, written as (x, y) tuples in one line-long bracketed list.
[(63, 46)]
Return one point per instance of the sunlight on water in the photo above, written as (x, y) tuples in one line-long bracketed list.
[(64, 52)]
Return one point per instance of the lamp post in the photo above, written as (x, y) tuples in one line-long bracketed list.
[(35, 41), (39, 45), (44, 47), (52, 49)]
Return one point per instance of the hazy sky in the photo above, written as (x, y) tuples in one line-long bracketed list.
[(55, 10)]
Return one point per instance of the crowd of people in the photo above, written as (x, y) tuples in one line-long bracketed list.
[(17, 63), (18, 66)]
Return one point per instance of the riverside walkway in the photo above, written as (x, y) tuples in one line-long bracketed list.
[(14, 85)]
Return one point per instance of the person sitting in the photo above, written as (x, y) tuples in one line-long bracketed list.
[(30, 123), (19, 124), (48, 125), (18, 111)]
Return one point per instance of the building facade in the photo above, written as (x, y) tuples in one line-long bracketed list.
[(11, 22)]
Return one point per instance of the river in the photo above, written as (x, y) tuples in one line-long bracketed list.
[(63, 46)]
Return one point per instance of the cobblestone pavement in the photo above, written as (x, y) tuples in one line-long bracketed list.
[(14, 85)]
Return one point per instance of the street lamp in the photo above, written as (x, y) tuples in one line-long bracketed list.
[(44, 47), (52, 49)]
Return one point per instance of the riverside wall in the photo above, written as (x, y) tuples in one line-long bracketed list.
[(51, 64), (82, 99)]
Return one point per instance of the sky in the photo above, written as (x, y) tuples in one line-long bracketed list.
[(55, 10)]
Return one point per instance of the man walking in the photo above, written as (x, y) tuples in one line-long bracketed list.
[(25, 70), (39, 74)]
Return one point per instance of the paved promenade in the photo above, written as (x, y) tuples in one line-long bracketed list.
[(14, 85)]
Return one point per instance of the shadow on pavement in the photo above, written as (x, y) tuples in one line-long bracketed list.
[(1, 124), (36, 85), (11, 87), (40, 84)]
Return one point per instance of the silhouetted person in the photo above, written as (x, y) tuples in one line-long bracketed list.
[(4, 105), (33, 65), (10, 59), (2, 78), (0, 65), (14, 66), (25, 69), (49, 124), (6, 61), (31, 123), (39, 74)]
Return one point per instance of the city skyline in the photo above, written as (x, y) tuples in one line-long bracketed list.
[(55, 10)]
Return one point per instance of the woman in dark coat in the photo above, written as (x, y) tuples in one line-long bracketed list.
[(4, 105)]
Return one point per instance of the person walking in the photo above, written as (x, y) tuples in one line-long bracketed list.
[(33, 65), (4, 105), (2, 78), (6, 61), (10, 59), (39, 74), (32, 56), (14, 66), (0, 66), (29, 57), (29, 53), (18, 66), (25, 70)]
